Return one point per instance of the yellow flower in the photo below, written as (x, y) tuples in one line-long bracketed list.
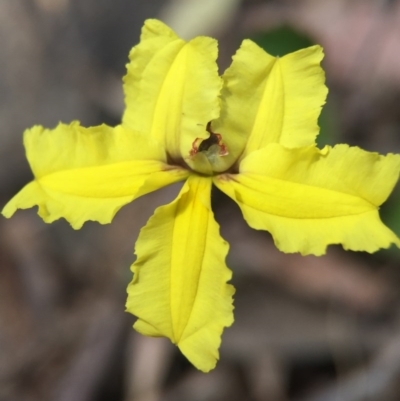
[(252, 133)]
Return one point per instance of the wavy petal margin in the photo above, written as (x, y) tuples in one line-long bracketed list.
[(268, 99), (179, 289), (309, 198), (172, 88), (86, 174)]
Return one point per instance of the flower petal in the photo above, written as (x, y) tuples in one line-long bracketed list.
[(171, 88), (89, 173), (269, 99), (310, 198), (179, 286)]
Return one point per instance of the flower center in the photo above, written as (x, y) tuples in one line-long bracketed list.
[(206, 156), (211, 147)]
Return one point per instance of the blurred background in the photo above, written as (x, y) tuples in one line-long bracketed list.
[(306, 329)]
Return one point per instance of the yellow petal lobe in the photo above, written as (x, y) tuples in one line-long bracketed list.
[(171, 88), (86, 174), (309, 198), (268, 99), (179, 289)]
